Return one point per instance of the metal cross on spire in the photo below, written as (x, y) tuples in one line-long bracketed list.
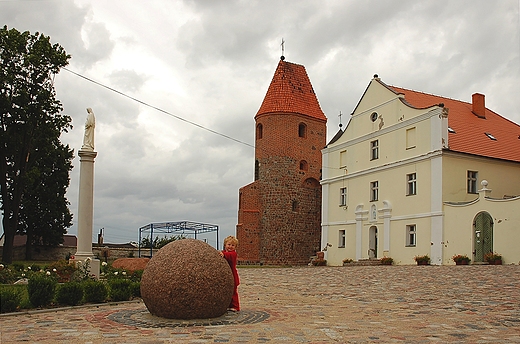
[(283, 49), (340, 114)]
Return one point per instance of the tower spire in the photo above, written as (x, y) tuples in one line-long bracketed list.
[(283, 50)]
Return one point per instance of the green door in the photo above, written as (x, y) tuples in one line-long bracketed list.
[(483, 235)]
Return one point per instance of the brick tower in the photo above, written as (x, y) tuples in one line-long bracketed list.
[(279, 214)]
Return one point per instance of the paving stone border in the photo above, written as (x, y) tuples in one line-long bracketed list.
[(143, 318)]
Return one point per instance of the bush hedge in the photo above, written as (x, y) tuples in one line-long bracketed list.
[(69, 294), (41, 289)]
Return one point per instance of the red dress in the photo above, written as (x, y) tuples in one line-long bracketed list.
[(231, 257)]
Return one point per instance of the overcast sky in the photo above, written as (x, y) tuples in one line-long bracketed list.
[(210, 63)]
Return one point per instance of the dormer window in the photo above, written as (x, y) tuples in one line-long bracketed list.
[(450, 130), (491, 136)]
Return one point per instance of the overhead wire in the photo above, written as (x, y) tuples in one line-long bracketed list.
[(166, 112), (159, 109)]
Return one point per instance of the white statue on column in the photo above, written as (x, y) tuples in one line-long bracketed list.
[(90, 124), (86, 198)]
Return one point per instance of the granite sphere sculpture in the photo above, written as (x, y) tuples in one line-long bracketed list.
[(187, 279)]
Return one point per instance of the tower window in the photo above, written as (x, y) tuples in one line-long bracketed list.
[(259, 131), (302, 130), (257, 169), (294, 205), (303, 165)]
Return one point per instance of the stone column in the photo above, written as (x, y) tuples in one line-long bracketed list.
[(86, 210)]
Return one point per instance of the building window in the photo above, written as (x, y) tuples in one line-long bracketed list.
[(302, 130), (410, 138), (411, 184), (257, 169), (374, 150), (294, 205), (411, 235), (303, 165), (341, 241), (374, 191), (343, 159), (342, 197), (472, 182), (259, 131)]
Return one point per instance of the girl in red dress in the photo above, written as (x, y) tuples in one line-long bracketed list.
[(230, 254)]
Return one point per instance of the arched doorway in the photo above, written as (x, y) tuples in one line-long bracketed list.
[(482, 235), (372, 242)]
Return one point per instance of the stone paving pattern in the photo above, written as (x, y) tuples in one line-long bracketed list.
[(365, 304)]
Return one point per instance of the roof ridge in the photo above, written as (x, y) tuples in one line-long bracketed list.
[(429, 94)]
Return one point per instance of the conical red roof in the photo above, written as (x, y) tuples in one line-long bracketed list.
[(291, 91)]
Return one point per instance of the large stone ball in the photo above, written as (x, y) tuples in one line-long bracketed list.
[(187, 279)]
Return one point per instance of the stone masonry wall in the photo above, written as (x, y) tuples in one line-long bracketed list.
[(287, 228)]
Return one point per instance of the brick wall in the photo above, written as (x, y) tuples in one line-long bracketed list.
[(279, 217), (45, 253)]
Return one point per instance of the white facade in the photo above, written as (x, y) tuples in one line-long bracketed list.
[(387, 180)]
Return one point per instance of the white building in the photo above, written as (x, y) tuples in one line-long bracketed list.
[(408, 176)]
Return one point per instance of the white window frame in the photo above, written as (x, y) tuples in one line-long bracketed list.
[(341, 238), (411, 235), (374, 191), (411, 184), (343, 197), (374, 150), (472, 182)]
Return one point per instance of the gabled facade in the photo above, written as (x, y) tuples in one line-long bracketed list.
[(279, 215), (415, 174)]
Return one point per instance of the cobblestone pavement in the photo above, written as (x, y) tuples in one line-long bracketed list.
[(372, 304)]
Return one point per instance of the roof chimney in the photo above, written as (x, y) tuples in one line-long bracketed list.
[(479, 105)]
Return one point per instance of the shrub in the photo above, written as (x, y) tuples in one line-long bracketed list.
[(422, 260), (70, 293), (461, 259), (94, 291), (82, 272), (493, 258), (34, 267), (136, 275), (135, 289), (387, 261), (10, 300), (319, 262), (8, 276), (63, 269), (120, 289), (17, 266), (41, 289)]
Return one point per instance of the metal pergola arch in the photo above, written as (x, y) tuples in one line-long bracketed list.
[(176, 227)]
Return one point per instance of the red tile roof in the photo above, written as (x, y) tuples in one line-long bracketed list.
[(291, 91), (470, 130)]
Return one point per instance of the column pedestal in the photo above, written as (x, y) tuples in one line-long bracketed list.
[(86, 210)]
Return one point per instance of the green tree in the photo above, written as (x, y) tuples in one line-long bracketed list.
[(30, 116), (44, 213)]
